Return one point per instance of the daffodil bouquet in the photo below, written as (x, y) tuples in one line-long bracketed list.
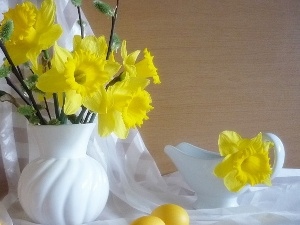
[(81, 84)]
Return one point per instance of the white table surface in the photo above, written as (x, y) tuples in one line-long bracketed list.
[(278, 204)]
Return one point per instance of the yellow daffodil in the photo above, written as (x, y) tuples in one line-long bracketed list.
[(145, 68), (109, 104), (129, 60), (137, 108), (246, 161), (79, 74), (142, 69), (121, 107), (34, 31)]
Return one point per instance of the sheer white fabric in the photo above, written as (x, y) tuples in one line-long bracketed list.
[(136, 185)]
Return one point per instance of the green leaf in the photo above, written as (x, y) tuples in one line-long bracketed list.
[(54, 122), (104, 8), (33, 119), (72, 118), (31, 81), (30, 113), (26, 110), (5, 70), (31, 84)]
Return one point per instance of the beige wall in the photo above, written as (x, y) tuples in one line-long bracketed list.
[(223, 64)]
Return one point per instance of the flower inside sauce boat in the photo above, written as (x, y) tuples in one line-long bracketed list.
[(241, 162)]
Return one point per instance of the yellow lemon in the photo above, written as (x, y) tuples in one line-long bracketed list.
[(148, 220), (172, 214)]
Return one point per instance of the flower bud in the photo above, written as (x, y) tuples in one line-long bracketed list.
[(104, 8), (6, 30), (76, 3), (116, 42)]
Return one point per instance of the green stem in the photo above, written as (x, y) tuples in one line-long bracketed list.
[(113, 81), (80, 22), (92, 118), (13, 67), (63, 116), (47, 109), (46, 60), (19, 77), (20, 73), (46, 54), (113, 24), (56, 105), (87, 116), (81, 114), (8, 81)]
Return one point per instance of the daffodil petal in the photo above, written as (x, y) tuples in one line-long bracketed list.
[(120, 129), (73, 102), (106, 124), (112, 68), (228, 142), (131, 58), (46, 15), (18, 58), (61, 55), (46, 38), (95, 101), (224, 167), (92, 44), (124, 49), (112, 122), (52, 82), (232, 183), (257, 141)]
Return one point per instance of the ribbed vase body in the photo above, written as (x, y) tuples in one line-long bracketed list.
[(64, 186)]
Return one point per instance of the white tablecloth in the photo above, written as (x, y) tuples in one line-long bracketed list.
[(136, 188)]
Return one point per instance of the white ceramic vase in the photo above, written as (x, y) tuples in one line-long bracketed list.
[(64, 186)]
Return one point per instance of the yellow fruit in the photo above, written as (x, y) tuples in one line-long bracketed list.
[(148, 220), (172, 214)]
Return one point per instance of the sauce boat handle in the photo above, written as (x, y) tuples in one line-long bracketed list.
[(279, 153)]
